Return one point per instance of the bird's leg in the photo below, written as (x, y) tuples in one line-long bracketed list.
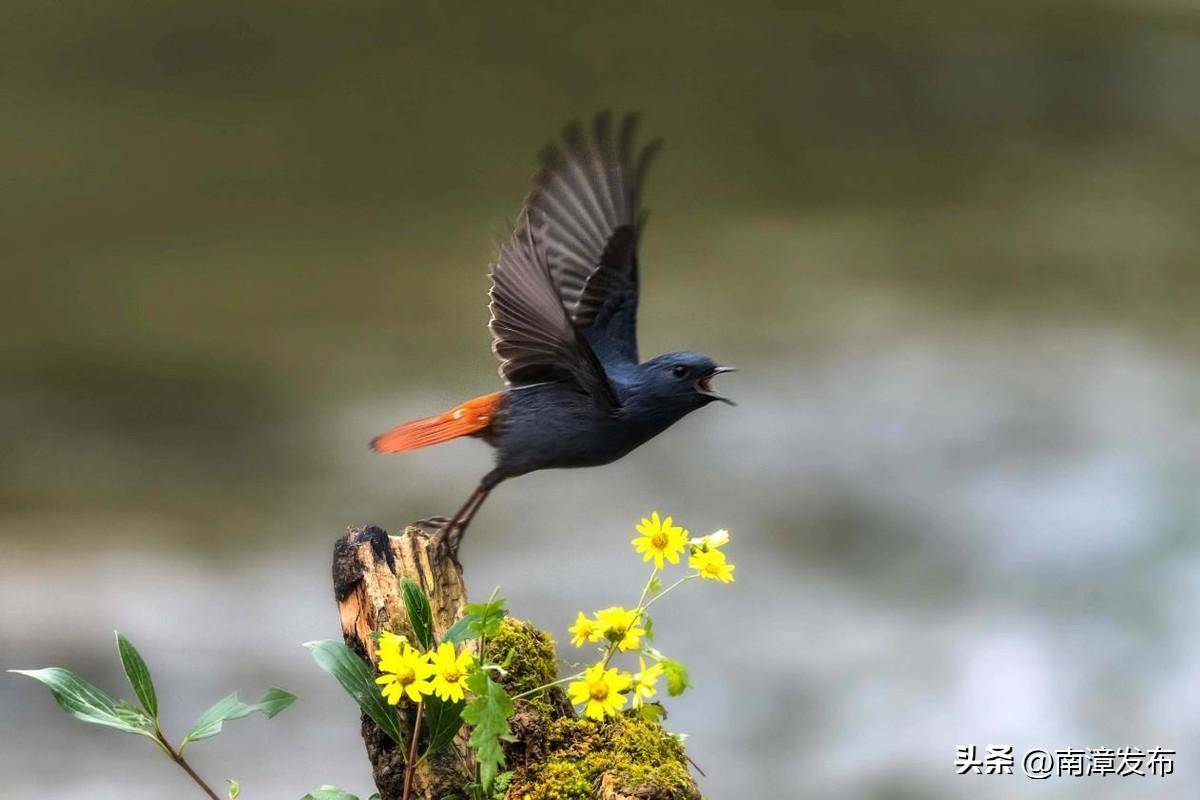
[(457, 526), (452, 533), (446, 527)]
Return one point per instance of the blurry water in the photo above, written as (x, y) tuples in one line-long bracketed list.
[(953, 254)]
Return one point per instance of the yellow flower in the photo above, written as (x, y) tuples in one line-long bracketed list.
[(644, 682), (585, 630), (450, 672), (389, 643), (599, 691), (711, 566), (620, 627), (405, 671), (660, 539), (714, 541)]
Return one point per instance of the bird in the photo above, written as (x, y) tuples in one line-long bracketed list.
[(563, 306)]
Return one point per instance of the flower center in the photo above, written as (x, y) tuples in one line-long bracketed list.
[(599, 690), (659, 540), (451, 675), (406, 675)]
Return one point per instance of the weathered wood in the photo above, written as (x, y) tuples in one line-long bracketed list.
[(367, 567)]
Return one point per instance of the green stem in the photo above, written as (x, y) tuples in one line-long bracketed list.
[(410, 766), (545, 686), (663, 593), (646, 588)]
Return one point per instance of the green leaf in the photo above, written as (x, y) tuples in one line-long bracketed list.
[(275, 701), (235, 788), (138, 674), (651, 712), (649, 625), (442, 720), (85, 702), (501, 784), (676, 675), (461, 630), (132, 715), (420, 616), (488, 616), (488, 715), (359, 682), (330, 793), (229, 707)]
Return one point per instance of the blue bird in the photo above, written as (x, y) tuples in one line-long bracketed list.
[(564, 301)]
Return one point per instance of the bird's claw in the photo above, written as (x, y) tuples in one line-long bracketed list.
[(446, 534)]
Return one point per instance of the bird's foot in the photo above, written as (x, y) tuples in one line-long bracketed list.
[(432, 524), (448, 537)]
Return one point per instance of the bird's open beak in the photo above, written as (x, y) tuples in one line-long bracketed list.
[(704, 385)]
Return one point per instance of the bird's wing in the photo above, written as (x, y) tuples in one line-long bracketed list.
[(587, 196), (531, 333)]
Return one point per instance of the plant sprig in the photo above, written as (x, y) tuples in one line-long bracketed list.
[(90, 704)]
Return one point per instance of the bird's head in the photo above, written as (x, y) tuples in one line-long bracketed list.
[(682, 380)]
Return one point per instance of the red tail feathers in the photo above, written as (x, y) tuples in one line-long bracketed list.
[(464, 419)]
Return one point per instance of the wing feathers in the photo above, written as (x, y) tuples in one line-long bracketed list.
[(570, 268), (531, 333), (587, 189)]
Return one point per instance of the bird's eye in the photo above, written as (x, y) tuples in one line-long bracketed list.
[(679, 370)]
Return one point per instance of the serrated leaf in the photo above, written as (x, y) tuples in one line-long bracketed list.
[(487, 616), (462, 630), (84, 701), (488, 715), (651, 712), (359, 682), (329, 793), (228, 708), (676, 675), (138, 674), (502, 782), (442, 721), (420, 616)]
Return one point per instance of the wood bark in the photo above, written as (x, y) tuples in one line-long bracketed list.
[(368, 565)]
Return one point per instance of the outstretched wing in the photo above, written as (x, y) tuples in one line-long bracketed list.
[(531, 332), (587, 197)]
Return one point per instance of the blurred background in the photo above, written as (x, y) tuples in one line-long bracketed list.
[(952, 247)]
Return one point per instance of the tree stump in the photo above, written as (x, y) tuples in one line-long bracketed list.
[(555, 756), (367, 567)]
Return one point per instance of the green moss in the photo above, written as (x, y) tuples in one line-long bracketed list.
[(630, 755), (559, 757), (534, 661)]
